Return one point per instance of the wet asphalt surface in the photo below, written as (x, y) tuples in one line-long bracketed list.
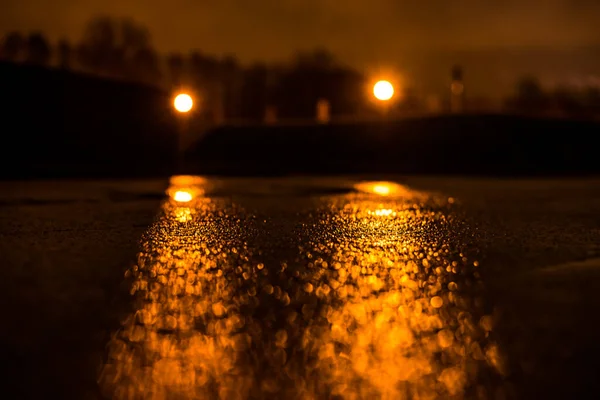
[(301, 288)]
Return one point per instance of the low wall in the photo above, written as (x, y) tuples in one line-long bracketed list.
[(467, 145)]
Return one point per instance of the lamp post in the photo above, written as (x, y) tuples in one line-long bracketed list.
[(183, 104)]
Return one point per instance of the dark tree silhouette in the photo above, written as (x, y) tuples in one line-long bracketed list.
[(254, 94), (38, 50), (145, 66), (319, 58), (530, 98), (133, 38), (311, 77), (197, 73), (65, 54), (205, 76), (98, 50), (205, 71), (13, 46), (232, 78), (176, 67), (116, 47), (529, 88)]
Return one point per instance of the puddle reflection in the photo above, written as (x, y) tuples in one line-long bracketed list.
[(401, 316), (186, 338), (381, 303)]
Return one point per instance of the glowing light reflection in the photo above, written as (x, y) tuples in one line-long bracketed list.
[(182, 196), (383, 188), (378, 303), (384, 212), (399, 327)]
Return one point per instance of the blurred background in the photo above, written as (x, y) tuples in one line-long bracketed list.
[(87, 89)]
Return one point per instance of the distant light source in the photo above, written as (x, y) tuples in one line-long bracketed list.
[(183, 103), (182, 196), (383, 90)]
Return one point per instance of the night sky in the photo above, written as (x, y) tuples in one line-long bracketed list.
[(358, 31), (497, 41)]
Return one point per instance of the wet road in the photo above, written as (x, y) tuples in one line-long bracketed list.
[(365, 294), (299, 288)]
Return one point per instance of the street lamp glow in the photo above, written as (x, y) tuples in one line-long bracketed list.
[(383, 90), (381, 188), (183, 103)]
